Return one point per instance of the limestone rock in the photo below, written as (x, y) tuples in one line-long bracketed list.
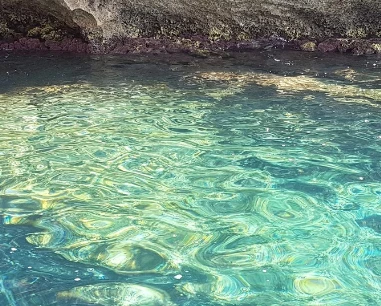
[(100, 21), (234, 19)]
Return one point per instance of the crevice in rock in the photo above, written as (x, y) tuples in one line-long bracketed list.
[(34, 20)]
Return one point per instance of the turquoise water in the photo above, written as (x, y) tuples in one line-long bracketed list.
[(253, 180)]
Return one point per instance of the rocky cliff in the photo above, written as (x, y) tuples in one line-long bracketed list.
[(116, 24)]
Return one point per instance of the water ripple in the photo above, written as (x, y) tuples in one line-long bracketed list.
[(231, 188)]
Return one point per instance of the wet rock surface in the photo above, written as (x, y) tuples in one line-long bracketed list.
[(197, 27)]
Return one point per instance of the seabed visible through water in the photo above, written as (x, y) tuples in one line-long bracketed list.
[(250, 180)]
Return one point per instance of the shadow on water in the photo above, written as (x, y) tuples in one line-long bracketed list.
[(34, 276), (373, 222), (20, 69)]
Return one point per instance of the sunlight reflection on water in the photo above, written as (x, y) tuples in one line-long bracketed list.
[(209, 184)]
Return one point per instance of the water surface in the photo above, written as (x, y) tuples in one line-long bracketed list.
[(253, 180)]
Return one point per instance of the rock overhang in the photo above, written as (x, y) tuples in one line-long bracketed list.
[(202, 25)]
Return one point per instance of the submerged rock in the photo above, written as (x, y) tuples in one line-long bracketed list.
[(373, 222), (300, 83)]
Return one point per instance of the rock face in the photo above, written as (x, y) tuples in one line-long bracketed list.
[(100, 21), (235, 18)]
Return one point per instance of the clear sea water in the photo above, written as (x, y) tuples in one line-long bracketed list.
[(251, 180)]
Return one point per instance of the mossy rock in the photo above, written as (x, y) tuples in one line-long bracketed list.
[(376, 47), (6, 33), (309, 46), (3, 30), (35, 32)]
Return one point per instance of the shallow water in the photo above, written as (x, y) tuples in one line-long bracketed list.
[(253, 180)]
